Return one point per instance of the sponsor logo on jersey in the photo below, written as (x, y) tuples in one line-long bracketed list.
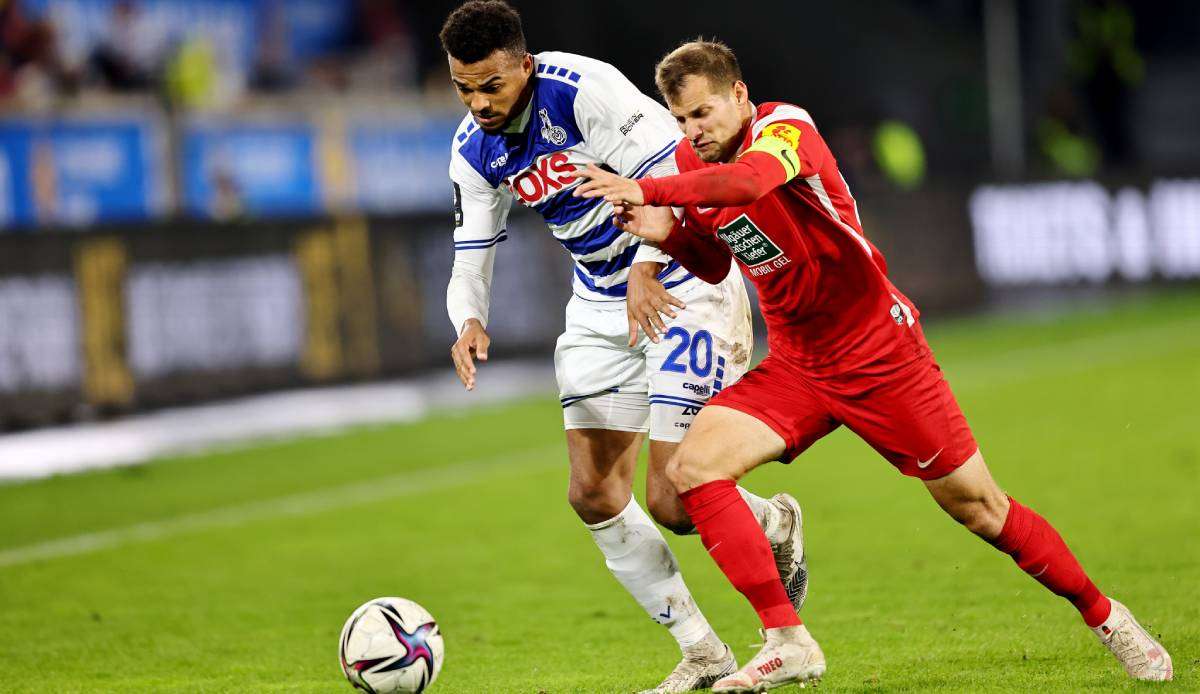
[(897, 314), (697, 388), (500, 161), (553, 134), (633, 120), (749, 244), (545, 177)]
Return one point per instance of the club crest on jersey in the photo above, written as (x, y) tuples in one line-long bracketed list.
[(544, 178), (553, 134)]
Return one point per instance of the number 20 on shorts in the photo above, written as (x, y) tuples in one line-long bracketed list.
[(699, 349)]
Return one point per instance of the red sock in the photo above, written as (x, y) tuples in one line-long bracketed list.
[(732, 536), (1040, 552)]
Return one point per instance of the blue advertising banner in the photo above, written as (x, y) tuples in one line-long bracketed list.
[(402, 167), (16, 197), (236, 28), (79, 172), (230, 169)]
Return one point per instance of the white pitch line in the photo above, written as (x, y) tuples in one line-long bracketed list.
[(303, 504)]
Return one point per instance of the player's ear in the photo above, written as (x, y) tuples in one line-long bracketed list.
[(740, 93), (527, 64)]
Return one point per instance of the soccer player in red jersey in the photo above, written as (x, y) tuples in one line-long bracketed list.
[(845, 347)]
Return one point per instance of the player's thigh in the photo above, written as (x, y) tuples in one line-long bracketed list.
[(601, 380), (723, 443), (780, 401), (706, 348), (909, 416)]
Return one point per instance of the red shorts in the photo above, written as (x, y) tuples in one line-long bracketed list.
[(907, 413)]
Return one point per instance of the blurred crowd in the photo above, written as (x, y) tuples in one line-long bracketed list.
[(200, 53), (1092, 96)]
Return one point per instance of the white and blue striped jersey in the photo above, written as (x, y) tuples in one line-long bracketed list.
[(582, 111)]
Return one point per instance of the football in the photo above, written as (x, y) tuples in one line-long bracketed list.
[(389, 646)]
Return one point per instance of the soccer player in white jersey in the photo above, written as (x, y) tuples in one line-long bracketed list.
[(533, 121)]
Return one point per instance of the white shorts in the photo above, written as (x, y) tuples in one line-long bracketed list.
[(605, 384)]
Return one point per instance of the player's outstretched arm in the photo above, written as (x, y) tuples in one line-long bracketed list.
[(782, 151), (615, 189), (471, 345), (732, 185), (703, 255)]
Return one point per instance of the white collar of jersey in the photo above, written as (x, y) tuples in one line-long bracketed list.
[(518, 125)]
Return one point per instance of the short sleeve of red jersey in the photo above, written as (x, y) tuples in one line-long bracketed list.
[(787, 134)]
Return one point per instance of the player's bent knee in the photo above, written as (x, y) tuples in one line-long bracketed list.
[(596, 503), (983, 515), (670, 514), (689, 468)]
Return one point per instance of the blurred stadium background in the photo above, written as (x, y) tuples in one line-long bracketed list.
[(217, 210), (213, 197)]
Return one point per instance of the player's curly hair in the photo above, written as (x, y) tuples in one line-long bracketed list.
[(479, 27), (707, 58)]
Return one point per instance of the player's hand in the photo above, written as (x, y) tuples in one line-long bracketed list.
[(647, 301), (651, 223), (471, 345), (613, 188)]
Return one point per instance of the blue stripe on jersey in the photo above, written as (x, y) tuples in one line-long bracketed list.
[(651, 160), (592, 240), (681, 280), (604, 268), (565, 208), (617, 290)]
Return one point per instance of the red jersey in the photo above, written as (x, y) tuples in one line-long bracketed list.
[(783, 210)]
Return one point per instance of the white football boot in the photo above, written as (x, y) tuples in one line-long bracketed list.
[(1143, 657), (702, 664), (789, 656), (789, 554)]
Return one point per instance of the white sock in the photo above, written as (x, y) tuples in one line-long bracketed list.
[(770, 517), (639, 557)]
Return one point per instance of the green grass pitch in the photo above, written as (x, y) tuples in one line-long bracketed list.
[(233, 572)]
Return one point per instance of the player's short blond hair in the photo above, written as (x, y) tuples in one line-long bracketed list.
[(711, 59)]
